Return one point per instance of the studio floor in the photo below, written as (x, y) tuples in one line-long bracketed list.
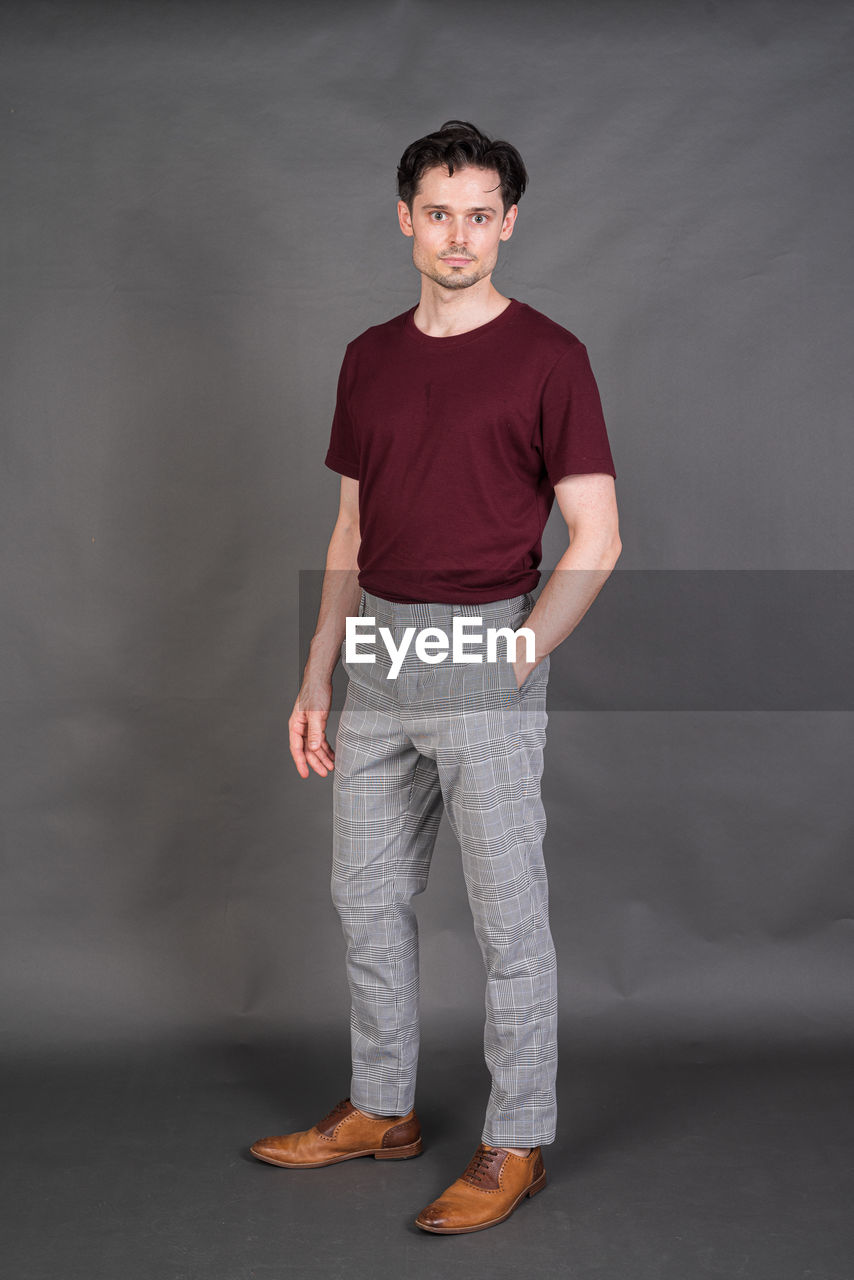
[(134, 1165)]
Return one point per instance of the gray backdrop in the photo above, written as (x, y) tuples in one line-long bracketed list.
[(198, 213)]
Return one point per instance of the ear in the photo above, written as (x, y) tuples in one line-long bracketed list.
[(509, 222), (404, 218)]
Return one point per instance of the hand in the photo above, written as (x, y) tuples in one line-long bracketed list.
[(307, 728), (522, 669)]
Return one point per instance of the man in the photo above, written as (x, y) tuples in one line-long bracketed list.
[(457, 424)]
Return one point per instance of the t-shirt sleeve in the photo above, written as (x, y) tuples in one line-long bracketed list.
[(573, 436), (343, 452)]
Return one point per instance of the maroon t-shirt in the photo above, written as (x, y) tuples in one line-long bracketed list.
[(457, 444)]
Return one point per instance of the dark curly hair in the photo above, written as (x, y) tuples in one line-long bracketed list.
[(458, 145)]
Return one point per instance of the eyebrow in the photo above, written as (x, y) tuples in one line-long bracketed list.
[(475, 208)]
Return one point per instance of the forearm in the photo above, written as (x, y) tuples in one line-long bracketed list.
[(579, 576), (339, 599)]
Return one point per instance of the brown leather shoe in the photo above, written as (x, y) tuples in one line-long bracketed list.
[(490, 1189), (343, 1134)]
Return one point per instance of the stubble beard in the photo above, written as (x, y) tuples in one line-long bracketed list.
[(458, 278)]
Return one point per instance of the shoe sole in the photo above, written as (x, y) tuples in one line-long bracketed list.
[(493, 1222), (379, 1153)]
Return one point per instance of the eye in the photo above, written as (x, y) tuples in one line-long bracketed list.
[(437, 213), (480, 217)]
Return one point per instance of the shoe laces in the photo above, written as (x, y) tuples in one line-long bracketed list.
[(480, 1164), (336, 1113)]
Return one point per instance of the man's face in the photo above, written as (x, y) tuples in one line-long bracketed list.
[(456, 225)]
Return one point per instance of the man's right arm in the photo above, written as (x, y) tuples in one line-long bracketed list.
[(339, 599)]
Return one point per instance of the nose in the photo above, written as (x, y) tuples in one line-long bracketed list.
[(458, 232)]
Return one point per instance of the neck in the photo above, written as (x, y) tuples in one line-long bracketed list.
[(441, 313)]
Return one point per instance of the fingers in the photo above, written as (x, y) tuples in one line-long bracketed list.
[(315, 731), (297, 740), (309, 747), (320, 763), (317, 744), (321, 758)]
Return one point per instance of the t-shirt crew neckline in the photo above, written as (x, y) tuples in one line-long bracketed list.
[(454, 340)]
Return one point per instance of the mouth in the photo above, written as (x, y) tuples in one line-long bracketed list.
[(457, 262)]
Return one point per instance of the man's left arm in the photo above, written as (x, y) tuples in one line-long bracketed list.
[(588, 504)]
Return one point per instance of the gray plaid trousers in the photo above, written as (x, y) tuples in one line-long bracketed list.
[(463, 739)]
